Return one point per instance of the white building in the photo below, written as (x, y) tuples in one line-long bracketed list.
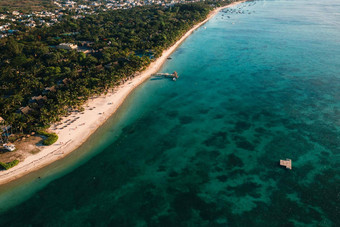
[(67, 46)]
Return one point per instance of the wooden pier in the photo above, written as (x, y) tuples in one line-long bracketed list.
[(287, 163), (173, 75)]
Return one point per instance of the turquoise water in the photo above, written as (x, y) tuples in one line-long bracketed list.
[(254, 88)]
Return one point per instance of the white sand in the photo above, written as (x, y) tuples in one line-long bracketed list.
[(72, 136)]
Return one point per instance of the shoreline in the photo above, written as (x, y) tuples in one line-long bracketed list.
[(96, 113)]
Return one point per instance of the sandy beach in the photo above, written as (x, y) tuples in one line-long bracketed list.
[(81, 125)]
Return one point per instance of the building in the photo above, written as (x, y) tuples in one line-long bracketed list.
[(67, 46), (40, 100), (25, 110), (49, 89), (5, 130)]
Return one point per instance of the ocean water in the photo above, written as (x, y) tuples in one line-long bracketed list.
[(255, 87)]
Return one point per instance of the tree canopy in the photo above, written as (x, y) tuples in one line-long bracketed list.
[(120, 43)]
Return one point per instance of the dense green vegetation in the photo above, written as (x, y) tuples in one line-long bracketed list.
[(51, 138), (122, 42), (5, 166), (24, 5)]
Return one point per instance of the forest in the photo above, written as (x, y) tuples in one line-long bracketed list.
[(25, 5), (40, 83)]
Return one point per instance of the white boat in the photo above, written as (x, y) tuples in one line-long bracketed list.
[(9, 146)]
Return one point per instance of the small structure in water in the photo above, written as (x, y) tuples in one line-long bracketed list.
[(287, 163), (173, 75)]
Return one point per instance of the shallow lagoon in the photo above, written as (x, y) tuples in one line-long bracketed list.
[(254, 88)]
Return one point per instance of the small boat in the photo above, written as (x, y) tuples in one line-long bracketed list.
[(9, 146), (169, 58)]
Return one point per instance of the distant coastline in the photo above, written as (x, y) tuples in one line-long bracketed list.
[(96, 112)]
